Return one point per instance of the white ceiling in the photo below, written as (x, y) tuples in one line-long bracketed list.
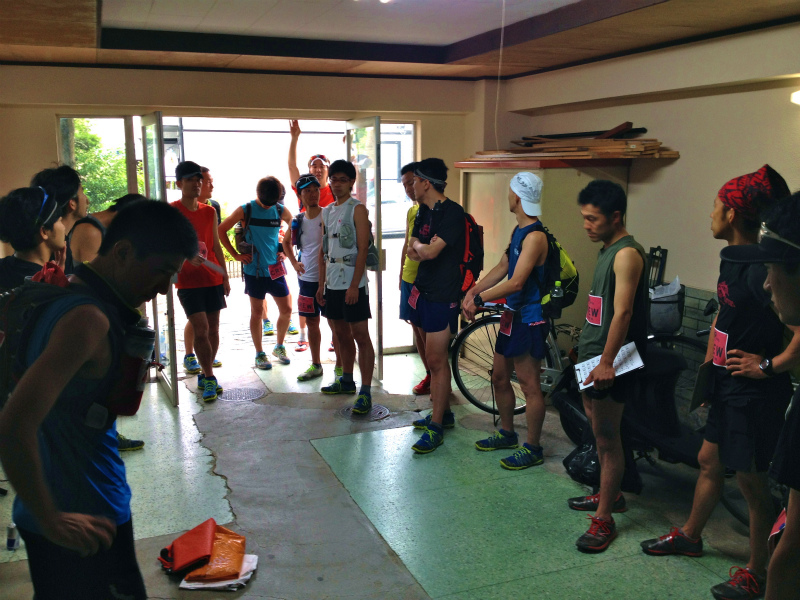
[(428, 22)]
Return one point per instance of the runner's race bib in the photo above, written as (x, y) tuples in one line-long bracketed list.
[(277, 270), (720, 348), (413, 297), (594, 313), (506, 321), (305, 304)]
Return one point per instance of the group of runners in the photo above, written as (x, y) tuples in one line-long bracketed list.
[(73, 508)]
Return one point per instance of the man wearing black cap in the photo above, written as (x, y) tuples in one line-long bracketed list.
[(750, 386), (437, 241), (779, 249), (203, 281)]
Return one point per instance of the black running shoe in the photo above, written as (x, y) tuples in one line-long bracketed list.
[(591, 502), (599, 536), (674, 542), (743, 585)]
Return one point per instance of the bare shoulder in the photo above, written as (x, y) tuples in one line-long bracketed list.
[(628, 261)]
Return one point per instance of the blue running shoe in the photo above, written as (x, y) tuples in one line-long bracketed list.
[(339, 387), (449, 421), (499, 439), (527, 456), (217, 363), (210, 389), (201, 383), (267, 328), (363, 404), (430, 440), (190, 364), (292, 329)]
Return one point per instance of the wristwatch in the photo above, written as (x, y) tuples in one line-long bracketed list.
[(766, 367), (477, 300)]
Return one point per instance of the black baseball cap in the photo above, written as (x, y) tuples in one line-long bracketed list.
[(187, 169), (772, 248), (306, 180)]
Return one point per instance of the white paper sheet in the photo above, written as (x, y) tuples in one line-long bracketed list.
[(249, 565), (627, 360)]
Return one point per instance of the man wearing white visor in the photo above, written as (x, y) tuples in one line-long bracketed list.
[(521, 341)]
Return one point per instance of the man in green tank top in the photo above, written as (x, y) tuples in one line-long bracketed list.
[(616, 315)]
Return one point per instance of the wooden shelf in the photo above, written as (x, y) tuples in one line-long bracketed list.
[(550, 163)]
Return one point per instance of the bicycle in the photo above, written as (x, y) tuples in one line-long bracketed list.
[(472, 356)]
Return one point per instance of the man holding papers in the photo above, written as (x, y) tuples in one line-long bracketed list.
[(616, 315)]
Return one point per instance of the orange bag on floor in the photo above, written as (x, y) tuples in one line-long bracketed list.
[(226, 558), (189, 550)]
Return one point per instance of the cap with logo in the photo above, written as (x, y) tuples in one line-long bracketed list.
[(306, 180), (529, 189)]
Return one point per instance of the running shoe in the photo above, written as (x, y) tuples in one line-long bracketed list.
[(190, 364), (743, 585), (217, 363), (267, 328), (527, 456), (201, 383), (311, 372), (302, 346), (124, 444), (423, 387), (430, 440), (262, 361), (499, 439), (598, 537), (292, 329), (209, 389), (449, 421), (363, 404), (339, 387), (279, 352), (338, 371), (675, 542), (591, 502)]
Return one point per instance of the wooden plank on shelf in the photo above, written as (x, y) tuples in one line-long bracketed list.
[(618, 130)]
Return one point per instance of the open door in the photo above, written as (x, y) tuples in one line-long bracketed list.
[(163, 310), (364, 151)]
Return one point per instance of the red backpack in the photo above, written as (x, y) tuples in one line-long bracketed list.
[(472, 259)]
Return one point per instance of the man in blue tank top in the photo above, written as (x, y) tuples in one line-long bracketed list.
[(264, 273), (520, 343)]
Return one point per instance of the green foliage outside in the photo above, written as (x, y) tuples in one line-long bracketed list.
[(102, 169)]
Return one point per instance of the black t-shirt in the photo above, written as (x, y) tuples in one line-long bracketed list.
[(13, 272), (746, 322), (439, 279)]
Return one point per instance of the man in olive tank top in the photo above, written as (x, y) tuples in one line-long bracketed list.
[(616, 315)]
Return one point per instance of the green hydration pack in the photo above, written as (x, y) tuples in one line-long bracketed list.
[(347, 240), (559, 272)]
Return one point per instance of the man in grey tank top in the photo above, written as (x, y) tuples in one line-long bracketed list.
[(616, 315)]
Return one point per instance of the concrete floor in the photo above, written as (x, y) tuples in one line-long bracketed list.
[(337, 507)]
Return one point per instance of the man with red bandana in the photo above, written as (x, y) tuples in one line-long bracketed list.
[(749, 390)]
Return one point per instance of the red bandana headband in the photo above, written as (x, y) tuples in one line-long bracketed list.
[(741, 193)]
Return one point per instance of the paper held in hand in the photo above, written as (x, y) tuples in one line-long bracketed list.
[(627, 360)]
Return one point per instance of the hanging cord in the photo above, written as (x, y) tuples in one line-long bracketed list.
[(499, 72)]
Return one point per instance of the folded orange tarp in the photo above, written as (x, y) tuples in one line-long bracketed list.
[(191, 549), (226, 558)]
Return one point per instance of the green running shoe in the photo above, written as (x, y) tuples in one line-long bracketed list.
[(292, 329), (311, 372), (363, 404), (527, 456), (190, 364), (430, 440), (339, 387), (499, 439), (209, 389), (267, 328)]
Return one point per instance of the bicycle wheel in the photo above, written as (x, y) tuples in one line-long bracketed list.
[(472, 356), (693, 351)]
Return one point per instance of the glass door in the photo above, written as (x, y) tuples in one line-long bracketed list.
[(364, 151), (163, 310)]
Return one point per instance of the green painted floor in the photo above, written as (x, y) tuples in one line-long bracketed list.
[(468, 529)]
